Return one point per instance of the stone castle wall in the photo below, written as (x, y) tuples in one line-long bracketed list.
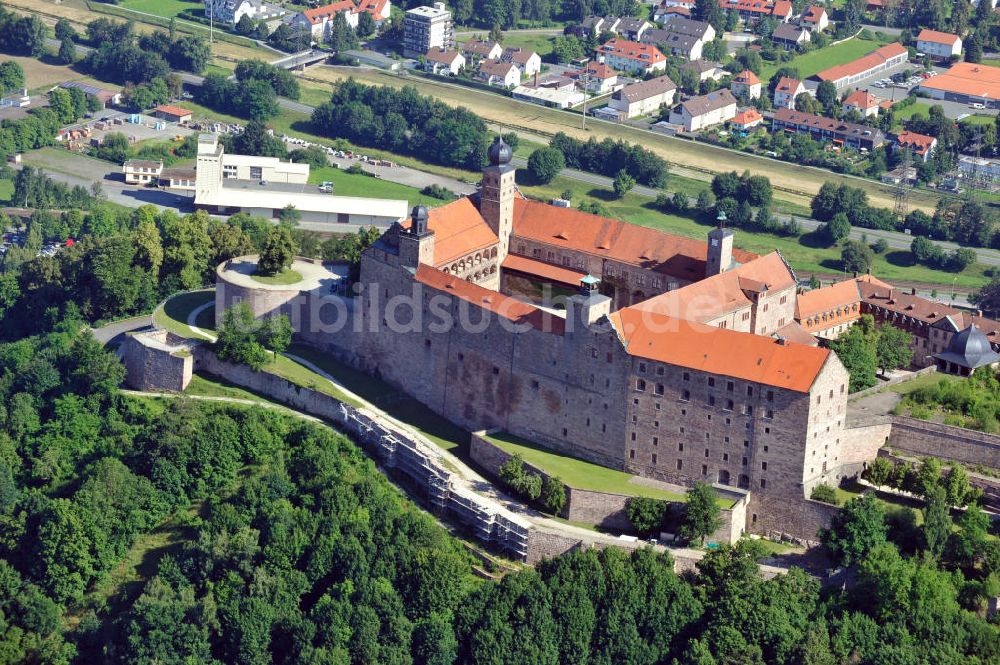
[(927, 439), (602, 509), (155, 360)]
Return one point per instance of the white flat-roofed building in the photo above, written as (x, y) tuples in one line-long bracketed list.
[(553, 97), (142, 171), (268, 169), (427, 27), (227, 184)]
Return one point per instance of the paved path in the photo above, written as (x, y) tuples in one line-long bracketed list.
[(193, 317), (114, 333)]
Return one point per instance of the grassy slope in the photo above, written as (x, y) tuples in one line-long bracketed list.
[(164, 8), (175, 311)]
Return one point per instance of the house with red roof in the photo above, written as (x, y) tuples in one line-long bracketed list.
[(632, 57), (501, 74), (746, 120), (746, 85), (786, 91), (319, 20), (815, 18), (920, 145), (862, 102), (751, 11), (939, 45), (438, 60)]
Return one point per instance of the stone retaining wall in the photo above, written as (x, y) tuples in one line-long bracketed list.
[(927, 439), (602, 509)]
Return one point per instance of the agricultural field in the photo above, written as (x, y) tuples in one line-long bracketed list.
[(164, 8), (792, 182), (816, 61), (40, 76)]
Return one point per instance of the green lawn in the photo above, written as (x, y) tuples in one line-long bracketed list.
[(911, 110), (354, 184), (406, 409), (164, 8), (931, 379), (174, 313), (6, 190), (305, 377), (979, 119), (583, 475), (775, 549), (539, 43), (805, 253), (816, 61), (283, 278)]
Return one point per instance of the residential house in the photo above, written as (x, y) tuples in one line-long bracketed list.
[(815, 18), (786, 91), (379, 9), (746, 120), (847, 75), (475, 50), (632, 28), (439, 60), (751, 11), (746, 85), (319, 21), (939, 45), (920, 145), (820, 128), (789, 36), (231, 11), (705, 69), (862, 101), (180, 179), (675, 44), (501, 74), (632, 57), (142, 171), (668, 8), (644, 97), (698, 113), (701, 29), (529, 62), (598, 78), (596, 25)]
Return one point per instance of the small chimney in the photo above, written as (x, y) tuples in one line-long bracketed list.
[(782, 341), (913, 291)]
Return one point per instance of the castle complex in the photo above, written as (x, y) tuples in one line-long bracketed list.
[(673, 359)]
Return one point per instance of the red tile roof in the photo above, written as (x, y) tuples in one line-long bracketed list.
[(936, 37), (615, 240), (861, 99), (623, 48), (779, 8), (438, 54), (709, 349), (546, 271), (967, 78), (747, 77), (788, 84), (315, 16), (458, 230), (814, 14), (720, 294), (919, 142), (601, 71), (173, 110), (510, 308), (748, 117)]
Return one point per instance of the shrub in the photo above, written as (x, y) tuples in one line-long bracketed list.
[(824, 493), (553, 495), (646, 515), (438, 192)]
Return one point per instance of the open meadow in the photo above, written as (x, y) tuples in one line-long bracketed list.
[(816, 61)]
